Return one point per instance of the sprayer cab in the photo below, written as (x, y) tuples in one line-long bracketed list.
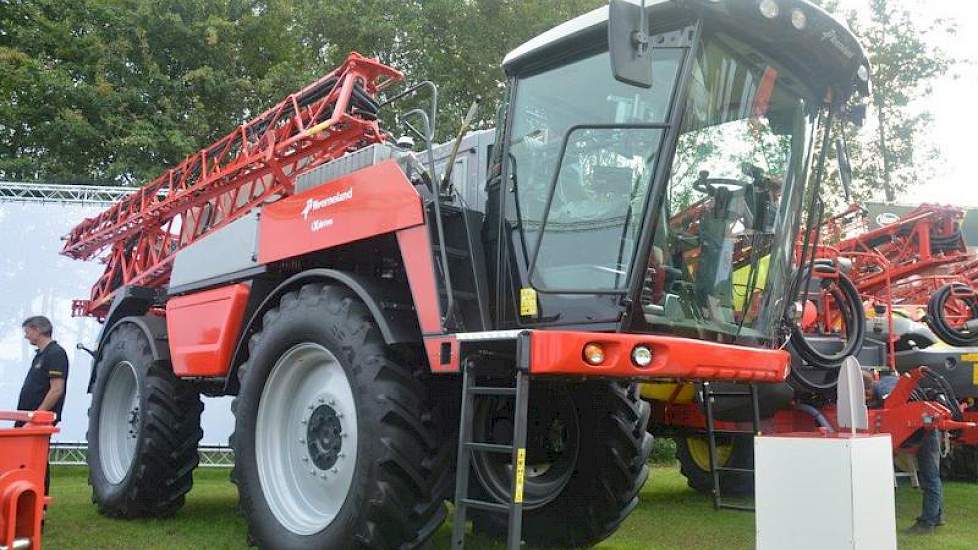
[(655, 161)]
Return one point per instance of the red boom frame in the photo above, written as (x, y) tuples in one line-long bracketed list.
[(257, 161)]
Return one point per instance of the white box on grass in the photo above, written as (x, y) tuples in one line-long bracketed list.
[(832, 492)]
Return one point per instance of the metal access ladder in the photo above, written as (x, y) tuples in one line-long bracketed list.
[(708, 395), (471, 392)]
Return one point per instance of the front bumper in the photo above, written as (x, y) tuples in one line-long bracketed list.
[(561, 353)]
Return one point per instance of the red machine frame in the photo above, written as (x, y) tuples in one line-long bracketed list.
[(208, 190)]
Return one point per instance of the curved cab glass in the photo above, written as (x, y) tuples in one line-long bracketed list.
[(721, 258)]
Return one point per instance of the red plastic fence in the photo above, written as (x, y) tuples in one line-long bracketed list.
[(23, 464)]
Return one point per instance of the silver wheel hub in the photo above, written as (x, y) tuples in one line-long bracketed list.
[(119, 422), (306, 439)]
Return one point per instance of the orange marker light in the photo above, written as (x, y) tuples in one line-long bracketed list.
[(594, 354)]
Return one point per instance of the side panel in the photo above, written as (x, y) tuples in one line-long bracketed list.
[(416, 254), (372, 201), (222, 252), (203, 329)]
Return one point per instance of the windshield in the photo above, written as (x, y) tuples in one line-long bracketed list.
[(722, 249), (582, 153)]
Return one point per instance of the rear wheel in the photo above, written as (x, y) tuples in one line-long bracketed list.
[(693, 454), (143, 430), (586, 461), (335, 442)]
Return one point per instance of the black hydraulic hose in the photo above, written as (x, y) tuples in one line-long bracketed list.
[(948, 391), (855, 322), (816, 414), (937, 320)]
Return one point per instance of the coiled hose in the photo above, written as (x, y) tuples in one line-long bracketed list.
[(937, 319), (826, 365)]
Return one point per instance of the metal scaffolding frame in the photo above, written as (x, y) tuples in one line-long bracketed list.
[(75, 454), (17, 191)]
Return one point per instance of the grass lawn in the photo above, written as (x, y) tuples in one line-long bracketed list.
[(670, 516)]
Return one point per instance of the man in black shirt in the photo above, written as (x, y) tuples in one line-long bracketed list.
[(44, 386)]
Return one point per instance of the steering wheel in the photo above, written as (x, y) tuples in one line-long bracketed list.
[(707, 185)]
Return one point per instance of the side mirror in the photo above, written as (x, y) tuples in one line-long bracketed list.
[(628, 43), (845, 169)]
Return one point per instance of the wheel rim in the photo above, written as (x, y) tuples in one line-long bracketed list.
[(699, 452), (119, 422), (553, 444), (306, 439)]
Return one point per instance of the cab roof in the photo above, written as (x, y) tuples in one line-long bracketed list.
[(825, 51)]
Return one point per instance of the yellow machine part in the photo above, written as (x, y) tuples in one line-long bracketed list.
[(699, 451), (662, 391), (741, 281)]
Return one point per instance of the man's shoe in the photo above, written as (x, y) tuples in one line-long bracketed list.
[(920, 529), (940, 522)]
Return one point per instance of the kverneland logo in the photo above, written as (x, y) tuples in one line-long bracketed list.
[(313, 205)]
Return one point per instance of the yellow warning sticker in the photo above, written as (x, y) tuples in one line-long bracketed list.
[(528, 302), (520, 475), (970, 357)]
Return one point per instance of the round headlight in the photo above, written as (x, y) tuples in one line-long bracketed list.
[(799, 20), (594, 354), (863, 73), (642, 356), (770, 9)]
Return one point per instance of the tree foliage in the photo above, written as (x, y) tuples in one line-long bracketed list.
[(114, 91), (889, 155)]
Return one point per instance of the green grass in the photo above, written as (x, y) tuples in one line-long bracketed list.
[(670, 517)]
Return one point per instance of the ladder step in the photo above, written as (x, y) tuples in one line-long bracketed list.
[(459, 294), (740, 507), (735, 470), (734, 432), (453, 252), (483, 505), (487, 390), (489, 447)]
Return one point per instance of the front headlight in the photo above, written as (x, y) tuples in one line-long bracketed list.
[(770, 9), (799, 20)]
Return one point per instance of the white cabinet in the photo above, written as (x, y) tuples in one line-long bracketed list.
[(824, 493)]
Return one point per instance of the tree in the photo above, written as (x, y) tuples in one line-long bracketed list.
[(115, 91), (889, 154)]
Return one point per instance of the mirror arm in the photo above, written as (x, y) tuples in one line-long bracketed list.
[(641, 37)]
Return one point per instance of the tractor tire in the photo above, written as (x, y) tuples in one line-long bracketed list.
[(143, 431), (692, 452), (593, 480), (335, 440)]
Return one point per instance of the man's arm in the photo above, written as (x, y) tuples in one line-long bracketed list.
[(55, 393)]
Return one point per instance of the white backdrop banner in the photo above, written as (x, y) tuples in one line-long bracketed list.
[(36, 280)]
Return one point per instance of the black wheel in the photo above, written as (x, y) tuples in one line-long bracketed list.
[(693, 454), (950, 312), (335, 440), (586, 461), (143, 431)]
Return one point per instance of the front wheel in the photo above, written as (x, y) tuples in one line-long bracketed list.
[(586, 461), (335, 442), (143, 430)]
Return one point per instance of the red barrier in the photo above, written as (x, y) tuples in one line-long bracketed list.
[(23, 464)]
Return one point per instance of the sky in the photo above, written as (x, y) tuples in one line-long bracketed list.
[(953, 104)]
